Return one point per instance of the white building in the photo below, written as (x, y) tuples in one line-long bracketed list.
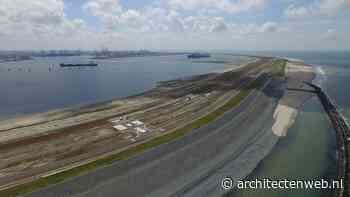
[(120, 127), (137, 123), (141, 130)]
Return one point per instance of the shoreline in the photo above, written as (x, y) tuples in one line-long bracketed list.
[(211, 116), (233, 67), (244, 163), (284, 117), (287, 102), (290, 104), (90, 105), (191, 108), (59, 113)]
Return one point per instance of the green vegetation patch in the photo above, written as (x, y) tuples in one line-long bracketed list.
[(279, 68), (138, 149)]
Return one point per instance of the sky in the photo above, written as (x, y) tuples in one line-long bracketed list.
[(175, 24)]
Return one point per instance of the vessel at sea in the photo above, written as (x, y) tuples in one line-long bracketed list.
[(198, 55), (91, 64)]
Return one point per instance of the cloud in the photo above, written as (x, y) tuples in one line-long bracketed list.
[(269, 27), (255, 29), (39, 24), (296, 12), (317, 8), (39, 12), (222, 5), (107, 11), (204, 24), (330, 7), (331, 34), (158, 19), (152, 19), (169, 19), (116, 17), (220, 27), (168, 23), (102, 7)]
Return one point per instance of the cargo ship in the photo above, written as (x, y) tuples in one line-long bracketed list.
[(91, 64), (198, 55)]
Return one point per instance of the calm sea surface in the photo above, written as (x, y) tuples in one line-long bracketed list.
[(39, 85), (308, 152)]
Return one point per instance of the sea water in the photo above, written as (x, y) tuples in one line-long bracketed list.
[(40, 84), (308, 151)]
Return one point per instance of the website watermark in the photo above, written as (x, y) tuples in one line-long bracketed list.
[(228, 184)]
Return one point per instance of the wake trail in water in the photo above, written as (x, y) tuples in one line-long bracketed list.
[(321, 76)]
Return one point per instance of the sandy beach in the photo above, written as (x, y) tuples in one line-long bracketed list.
[(233, 67), (287, 108), (284, 118)]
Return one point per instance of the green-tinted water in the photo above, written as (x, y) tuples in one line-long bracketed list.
[(307, 153)]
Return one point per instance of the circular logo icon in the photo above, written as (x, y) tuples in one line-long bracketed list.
[(227, 183)]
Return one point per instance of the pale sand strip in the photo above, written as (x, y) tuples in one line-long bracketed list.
[(298, 67), (285, 115), (233, 67), (284, 118)]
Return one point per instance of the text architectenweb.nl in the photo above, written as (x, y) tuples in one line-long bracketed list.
[(228, 183)]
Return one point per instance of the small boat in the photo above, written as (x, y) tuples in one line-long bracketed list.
[(198, 55), (91, 64)]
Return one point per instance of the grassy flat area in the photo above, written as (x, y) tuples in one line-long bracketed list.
[(138, 149), (279, 67)]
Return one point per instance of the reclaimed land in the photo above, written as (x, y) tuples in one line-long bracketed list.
[(244, 85)]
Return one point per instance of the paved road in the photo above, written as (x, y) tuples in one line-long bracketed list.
[(189, 166)]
